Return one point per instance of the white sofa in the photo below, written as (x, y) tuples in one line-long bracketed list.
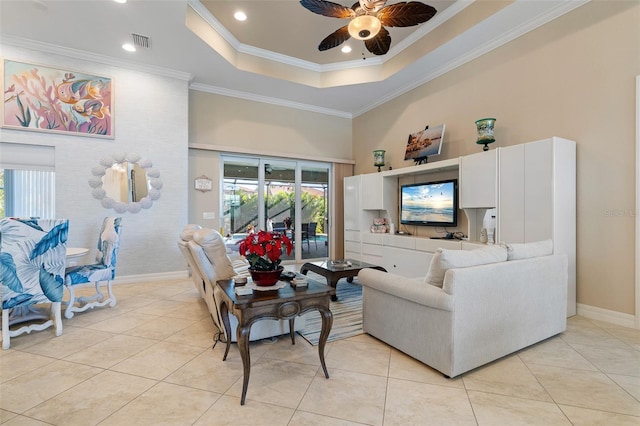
[(481, 313), (207, 256)]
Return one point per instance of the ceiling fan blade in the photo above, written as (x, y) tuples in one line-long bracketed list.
[(379, 45), (335, 39), (405, 14), (327, 8)]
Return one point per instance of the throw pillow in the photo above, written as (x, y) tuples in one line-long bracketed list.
[(527, 250), (444, 259), (213, 245)]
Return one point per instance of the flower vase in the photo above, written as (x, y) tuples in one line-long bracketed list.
[(266, 278)]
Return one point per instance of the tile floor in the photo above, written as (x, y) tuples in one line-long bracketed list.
[(149, 361)]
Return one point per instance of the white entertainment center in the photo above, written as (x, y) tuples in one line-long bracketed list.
[(532, 186)]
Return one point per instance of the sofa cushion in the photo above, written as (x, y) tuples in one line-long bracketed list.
[(527, 250), (444, 259), (213, 245)]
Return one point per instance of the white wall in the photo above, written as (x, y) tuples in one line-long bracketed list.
[(151, 119)]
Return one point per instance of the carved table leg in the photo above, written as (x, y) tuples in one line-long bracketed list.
[(327, 322), (333, 282), (243, 345), (224, 313), (291, 330)]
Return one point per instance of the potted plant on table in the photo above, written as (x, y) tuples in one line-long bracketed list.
[(263, 250)]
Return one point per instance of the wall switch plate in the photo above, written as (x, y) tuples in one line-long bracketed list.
[(208, 215)]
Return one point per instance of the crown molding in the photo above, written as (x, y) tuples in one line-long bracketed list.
[(450, 49), (268, 100), (418, 34), (260, 152), (428, 26), (205, 14), (239, 47), (92, 57)]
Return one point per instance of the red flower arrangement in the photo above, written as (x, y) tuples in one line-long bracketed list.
[(263, 249)]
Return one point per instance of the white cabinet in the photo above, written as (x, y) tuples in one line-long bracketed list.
[(372, 189), (478, 180), (411, 256), (510, 220), (405, 262), (538, 189), (537, 199), (378, 192), (532, 186), (352, 203), (352, 218), (372, 248), (372, 253)]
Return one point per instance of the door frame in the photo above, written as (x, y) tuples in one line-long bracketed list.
[(299, 164)]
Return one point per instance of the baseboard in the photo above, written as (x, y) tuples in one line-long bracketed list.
[(143, 278), (613, 317)]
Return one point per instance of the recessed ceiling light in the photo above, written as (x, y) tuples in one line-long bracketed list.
[(346, 49), (120, 1), (129, 47), (240, 16)]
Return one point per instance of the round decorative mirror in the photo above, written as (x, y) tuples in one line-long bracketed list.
[(125, 183)]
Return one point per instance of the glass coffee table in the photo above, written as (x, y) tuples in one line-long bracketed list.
[(334, 270)]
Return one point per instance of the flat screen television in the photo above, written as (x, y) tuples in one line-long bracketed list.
[(430, 203)]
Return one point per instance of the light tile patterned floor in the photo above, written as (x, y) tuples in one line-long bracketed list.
[(149, 361)]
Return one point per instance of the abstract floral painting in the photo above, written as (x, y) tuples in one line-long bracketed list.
[(56, 100)]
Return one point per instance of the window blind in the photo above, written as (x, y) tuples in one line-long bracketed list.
[(27, 157)]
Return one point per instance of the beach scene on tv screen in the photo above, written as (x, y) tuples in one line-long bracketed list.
[(428, 203)]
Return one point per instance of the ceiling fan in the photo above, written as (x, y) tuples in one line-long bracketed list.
[(368, 21)]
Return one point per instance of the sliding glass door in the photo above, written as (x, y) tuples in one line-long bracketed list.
[(314, 210), (281, 195)]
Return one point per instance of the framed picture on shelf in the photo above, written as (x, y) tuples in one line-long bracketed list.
[(424, 144), (56, 100)]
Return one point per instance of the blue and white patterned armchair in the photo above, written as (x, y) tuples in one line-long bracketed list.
[(32, 263), (103, 270)]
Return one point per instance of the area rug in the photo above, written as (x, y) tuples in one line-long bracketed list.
[(347, 316)]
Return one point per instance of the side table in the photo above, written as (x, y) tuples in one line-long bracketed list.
[(286, 304)]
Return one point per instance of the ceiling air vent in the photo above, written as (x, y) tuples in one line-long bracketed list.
[(141, 41)]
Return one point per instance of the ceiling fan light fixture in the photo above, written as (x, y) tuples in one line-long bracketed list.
[(364, 27)]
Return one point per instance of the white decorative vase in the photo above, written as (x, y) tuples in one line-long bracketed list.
[(489, 223)]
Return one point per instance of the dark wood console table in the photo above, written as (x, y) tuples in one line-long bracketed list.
[(333, 273), (286, 303)]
